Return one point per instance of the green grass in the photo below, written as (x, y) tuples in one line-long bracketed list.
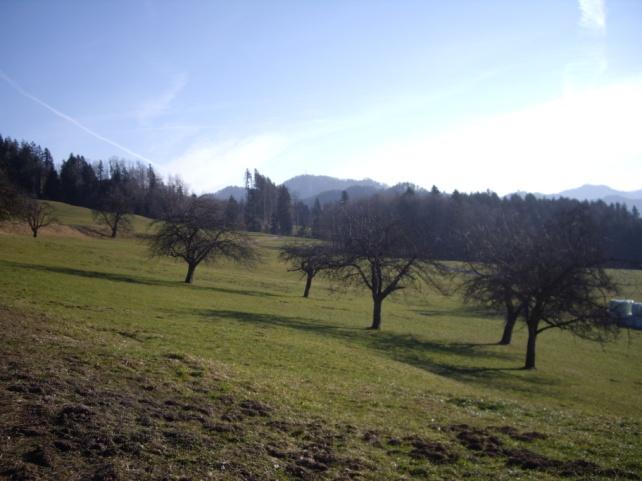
[(432, 365), (70, 215)]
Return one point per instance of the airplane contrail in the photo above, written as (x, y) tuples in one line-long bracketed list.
[(70, 119)]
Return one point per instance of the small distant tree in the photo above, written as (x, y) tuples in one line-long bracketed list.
[(37, 214), (114, 210), (308, 259), (374, 248), (554, 274), (195, 231)]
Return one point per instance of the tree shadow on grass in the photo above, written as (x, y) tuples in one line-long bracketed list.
[(458, 312), (91, 231), (146, 281), (472, 345), (450, 360)]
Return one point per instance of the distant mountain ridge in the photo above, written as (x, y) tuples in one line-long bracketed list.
[(597, 192), (604, 193), (630, 203), (308, 188), (225, 193), (354, 192)]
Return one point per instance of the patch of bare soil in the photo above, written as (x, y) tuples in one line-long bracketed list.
[(434, 452), (416, 447), (487, 442), (81, 416)]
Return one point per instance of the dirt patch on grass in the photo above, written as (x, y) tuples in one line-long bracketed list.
[(434, 452), (91, 415), (487, 442), (529, 460), (525, 436)]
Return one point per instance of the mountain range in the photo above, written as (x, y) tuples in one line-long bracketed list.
[(599, 192), (308, 188), (603, 192)]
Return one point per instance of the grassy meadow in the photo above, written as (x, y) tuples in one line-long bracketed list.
[(239, 377)]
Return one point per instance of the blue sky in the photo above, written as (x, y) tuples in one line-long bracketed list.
[(537, 95)]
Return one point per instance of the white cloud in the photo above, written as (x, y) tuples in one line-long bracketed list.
[(208, 166), (588, 137), (593, 15)]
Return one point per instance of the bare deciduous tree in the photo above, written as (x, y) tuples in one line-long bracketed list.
[(308, 259), (195, 231), (114, 210), (554, 274), (375, 248), (37, 214)]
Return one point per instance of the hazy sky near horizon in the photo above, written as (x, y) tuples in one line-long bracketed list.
[(539, 95)]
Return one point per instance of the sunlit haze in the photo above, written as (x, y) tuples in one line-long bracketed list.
[(534, 96)]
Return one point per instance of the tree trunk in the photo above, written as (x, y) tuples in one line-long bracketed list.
[(190, 273), (114, 231), (308, 283), (35, 232), (507, 336), (376, 313), (530, 346)]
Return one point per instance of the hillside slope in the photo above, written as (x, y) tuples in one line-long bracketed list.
[(72, 220), (112, 368)]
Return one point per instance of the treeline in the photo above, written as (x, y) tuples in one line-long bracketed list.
[(450, 220), (31, 170), (268, 207), (133, 187), (448, 217)]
